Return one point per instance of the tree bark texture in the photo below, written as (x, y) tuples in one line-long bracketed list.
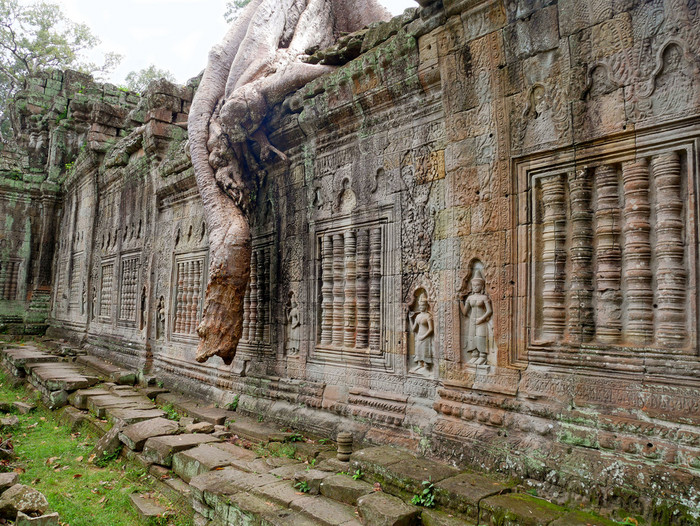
[(255, 67)]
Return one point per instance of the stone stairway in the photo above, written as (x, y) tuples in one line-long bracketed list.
[(235, 470)]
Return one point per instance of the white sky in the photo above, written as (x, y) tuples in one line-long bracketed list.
[(172, 34)]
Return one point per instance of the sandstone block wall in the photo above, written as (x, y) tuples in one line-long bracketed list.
[(484, 245)]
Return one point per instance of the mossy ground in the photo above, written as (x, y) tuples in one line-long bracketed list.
[(57, 463)]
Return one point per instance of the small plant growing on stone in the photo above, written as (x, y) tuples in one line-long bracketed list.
[(323, 441), (296, 437), (233, 405), (358, 475), (425, 498), (302, 486), (171, 412)]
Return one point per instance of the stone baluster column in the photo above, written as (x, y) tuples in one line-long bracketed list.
[(671, 276), (553, 258), (267, 293), (262, 289), (350, 287), (375, 272), (580, 299), (253, 284), (608, 255), (338, 289), (327, 290), (246, 314), (637, 276), (362, 341), (197, 293), (180, 296)]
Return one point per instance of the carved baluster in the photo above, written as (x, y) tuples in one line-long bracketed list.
[(197, 293), (362, 341), (375, 273), (580, 300), (327, 290), (609, 255), (553, 257), (262, 291), (266, 302), (187, 307), (350, 287), (670, 251), (180, 296), (637, 274), (338, 289), (253, 297), (246, 314)]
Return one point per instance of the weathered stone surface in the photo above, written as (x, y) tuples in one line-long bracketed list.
[(313, 479), (109, 445), (7, 480), (582, 519), (325, 511), (23, 407), (464, 492), (200, 427), (79, 399), (147, 508), (9, 421), (198, 460), (409, 474), (517, 509), (22, 498), (344, 489), (436, 518), (160, 450), (386, 510), (135, 435), (127, 415)]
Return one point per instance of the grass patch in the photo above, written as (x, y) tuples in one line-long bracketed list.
[(56, 463)]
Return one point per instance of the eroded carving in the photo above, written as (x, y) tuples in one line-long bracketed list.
[(422, 329), (478, 345)]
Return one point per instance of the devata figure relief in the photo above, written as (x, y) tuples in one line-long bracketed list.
[(258, 63), (423, 329), (475, 306), (293, 326)]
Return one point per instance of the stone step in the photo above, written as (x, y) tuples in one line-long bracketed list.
[(128, 415), (112, 372), (345, 489), (249, 429), (198, 410), (147, 507), (200, 459), (79, 399), (380, 508), (135, 435), (518, 509), (160, 450), (464, 492), (98, 405)]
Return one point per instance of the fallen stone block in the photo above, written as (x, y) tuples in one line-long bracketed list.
[(147, 508), (50, 519), (160, 450), (381, 509), (10, 421), (135, 435), (23, 407), (200, 427), (325, 511), (79, 399), (128, 416), (109, 445), (313, 479), (22, 498), (7, 480), (408, 475)]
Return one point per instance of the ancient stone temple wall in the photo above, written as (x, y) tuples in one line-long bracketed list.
[(483, 245)]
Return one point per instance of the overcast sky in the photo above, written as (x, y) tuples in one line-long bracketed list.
[(172, 34)]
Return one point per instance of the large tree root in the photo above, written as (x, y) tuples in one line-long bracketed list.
[(253, 69)]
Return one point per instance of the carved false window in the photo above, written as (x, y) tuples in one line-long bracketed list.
[(106, 285), (257, 303), (350, 277), (187, 294), (9, 279), (610, 255), (128, 289)]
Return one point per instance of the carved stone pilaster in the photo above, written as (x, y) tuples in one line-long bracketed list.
[(671, 275), (608, 256), (637, 275), (553, 257), (253, 285), (580, 298), (262, 284)]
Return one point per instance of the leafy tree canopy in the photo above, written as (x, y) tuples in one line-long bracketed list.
[(233, 8), (36, 37), (138, 81)]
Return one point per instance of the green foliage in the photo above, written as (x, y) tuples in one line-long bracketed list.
[(302, 486), (138, 81), (260, 418), (232, 406), (357, 475), (425, 498), (106, 459), (296, 437), (171, 412), (38, 37), (323, 441), (234, 8)]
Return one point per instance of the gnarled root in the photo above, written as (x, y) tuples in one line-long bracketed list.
[(222, 324)]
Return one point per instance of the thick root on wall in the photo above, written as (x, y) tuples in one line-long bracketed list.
[(255, 67)]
